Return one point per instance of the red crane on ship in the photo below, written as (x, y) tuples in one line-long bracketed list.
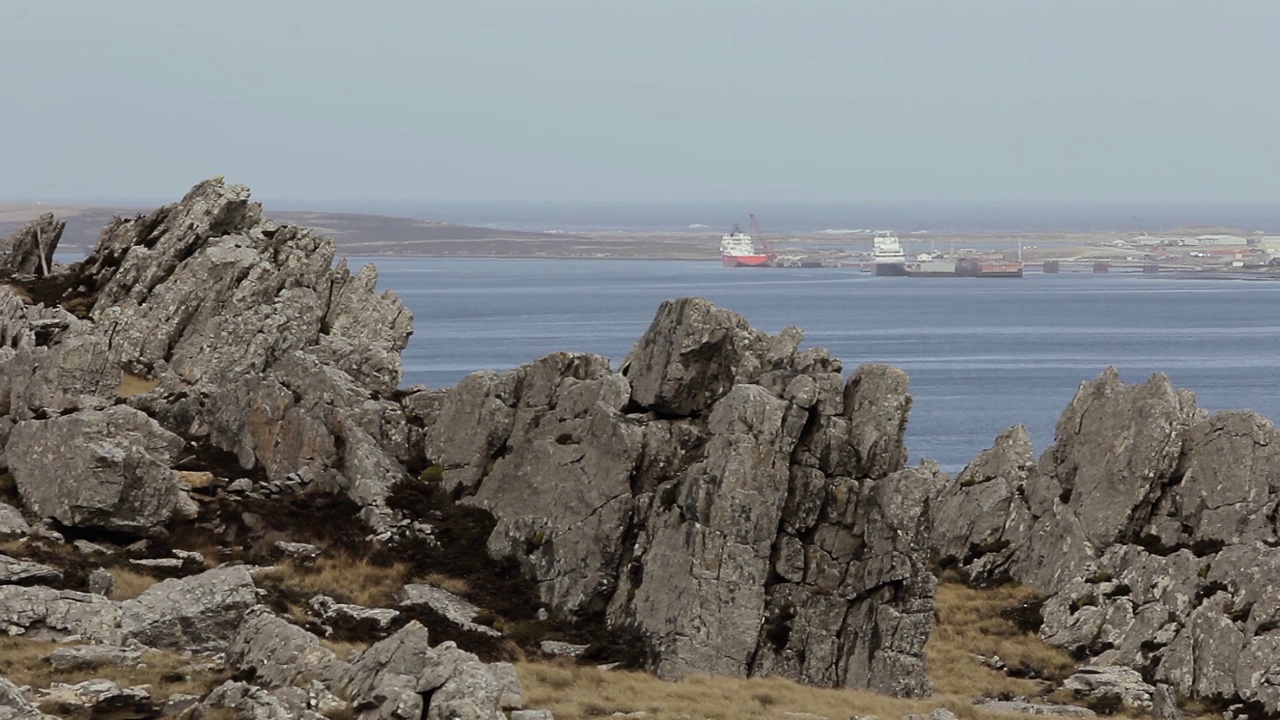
[(759, 237)]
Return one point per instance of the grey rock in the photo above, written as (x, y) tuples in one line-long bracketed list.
[(980, 516), (11, 521), (255, 703), (101, 582), (691, 356), (162, 563), (1100, 681), (532, 715), (30, 250), (100, 697), (109, 469), (24, 572), (42, 612), (1026, 708), (15, 704), (942, 714), (562, 649), (198, 613), (88, 657), (504, 674), (280, 653), (299, 552), (332, 611), (177, 704), (85, 547), (1164, 704), (455, 609)]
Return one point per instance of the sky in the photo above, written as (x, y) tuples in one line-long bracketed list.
[(661, 100)]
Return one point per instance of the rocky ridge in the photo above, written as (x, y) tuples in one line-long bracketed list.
[(208, 401), (1153, 528), (209, 379)]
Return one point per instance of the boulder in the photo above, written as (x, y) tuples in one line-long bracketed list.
[(453, 608), (254, 703), (108, 469), (42, 612), (25, 572), (16, 705), (89, 657), (99, 698), (198, 613), (280, 653)]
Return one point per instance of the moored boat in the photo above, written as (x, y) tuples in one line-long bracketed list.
[(887, 255), (738, 250)]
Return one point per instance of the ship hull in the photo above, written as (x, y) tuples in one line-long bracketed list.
[(890, 269), (744, 260)]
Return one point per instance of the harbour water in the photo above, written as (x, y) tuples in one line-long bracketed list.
[(982, 354)]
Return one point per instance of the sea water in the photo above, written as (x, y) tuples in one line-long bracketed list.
[(982, 354)]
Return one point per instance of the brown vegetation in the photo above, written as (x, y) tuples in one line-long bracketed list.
[(26, 662), (342, 577)]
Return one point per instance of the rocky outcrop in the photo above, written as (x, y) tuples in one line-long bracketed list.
[(232, 333), (30, 250), (721, 480), (1152, 528), (109, 469)]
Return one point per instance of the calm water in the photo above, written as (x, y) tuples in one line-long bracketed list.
[(982, 354)]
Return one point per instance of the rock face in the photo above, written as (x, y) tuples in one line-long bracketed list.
[(230, 333), (726, 496), (1152, 528)]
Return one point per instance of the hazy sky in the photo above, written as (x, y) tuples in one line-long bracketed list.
[(591, 100)]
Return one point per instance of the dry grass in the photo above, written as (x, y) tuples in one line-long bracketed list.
[(25, 662), (970, 624), (578, 692), (455, 585), (344, 578), (130, 583), (131, 385)]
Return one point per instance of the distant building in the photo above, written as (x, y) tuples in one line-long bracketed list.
[(1203, 240), (1270, 243)]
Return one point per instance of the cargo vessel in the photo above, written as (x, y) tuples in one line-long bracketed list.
[(932, 266), (738, 250), (887, 256), (977, 267)]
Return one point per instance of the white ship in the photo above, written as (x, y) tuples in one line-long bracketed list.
[(738, 250), (887, 255)]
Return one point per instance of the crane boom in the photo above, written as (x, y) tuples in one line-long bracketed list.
[(759, 237)]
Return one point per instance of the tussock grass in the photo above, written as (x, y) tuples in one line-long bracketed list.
[(25, 662), (970, 623), (342, 577), (130, 583), (575, 692), (455, 585)]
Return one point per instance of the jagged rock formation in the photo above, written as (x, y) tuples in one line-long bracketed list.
[(228, 331), (1152, 526), (30, 250), (725, 495)]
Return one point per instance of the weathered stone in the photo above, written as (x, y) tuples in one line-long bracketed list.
[(280, 653), (504, 674), (41, 611), (299, 552), (1164, 705), (454, 609), (562, 649), (30, 250), (25, 572), (101, 582), (1026, 708), (532, 715), (333, 612), (16, 705), (11, 521), (109, 469), (100, 698), (1100, 681), (198, 613), (88, 657), (255, 703)]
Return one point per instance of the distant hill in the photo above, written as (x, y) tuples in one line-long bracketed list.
[(356, 234)]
